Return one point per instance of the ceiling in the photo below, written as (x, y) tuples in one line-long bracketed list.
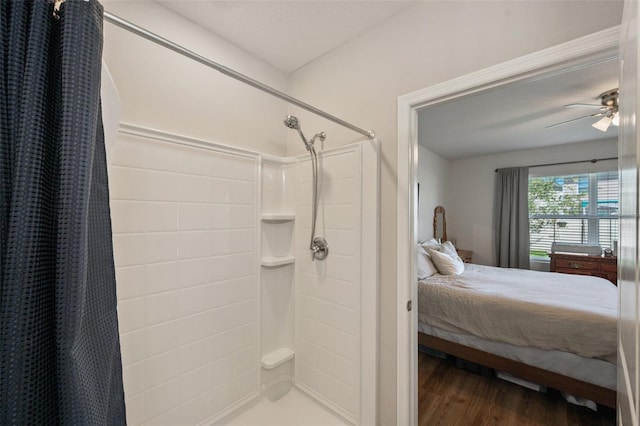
[(514, 116), (287, 34)]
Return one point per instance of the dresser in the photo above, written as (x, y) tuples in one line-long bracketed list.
[(597, 266)]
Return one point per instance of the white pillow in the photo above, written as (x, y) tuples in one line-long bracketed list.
[(447, 265), (426, 268), (448, 248), (430, 243)]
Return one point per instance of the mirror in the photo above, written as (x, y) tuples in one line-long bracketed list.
[(439, 224)]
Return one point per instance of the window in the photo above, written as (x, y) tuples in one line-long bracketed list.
[(576, 209)]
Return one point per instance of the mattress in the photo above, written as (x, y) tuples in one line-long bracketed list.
[(530, 309)]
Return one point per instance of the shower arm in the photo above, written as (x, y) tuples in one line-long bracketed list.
[(308, 145)]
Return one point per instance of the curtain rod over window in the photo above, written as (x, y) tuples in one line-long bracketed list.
[(116, 20), (593, 161)]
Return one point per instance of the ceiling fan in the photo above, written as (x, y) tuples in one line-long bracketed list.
[(608, 110)]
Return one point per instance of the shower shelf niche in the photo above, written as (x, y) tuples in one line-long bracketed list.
[(278, 217), (277, 273), (276, 358), (271, 262)]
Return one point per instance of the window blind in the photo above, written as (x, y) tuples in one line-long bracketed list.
[(574, 208)]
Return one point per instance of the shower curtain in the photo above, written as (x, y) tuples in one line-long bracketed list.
[(59, 348)]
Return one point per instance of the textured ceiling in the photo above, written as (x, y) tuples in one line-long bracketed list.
[(514, 116)]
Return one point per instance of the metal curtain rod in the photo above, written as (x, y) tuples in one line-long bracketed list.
[(593, 161), (116, 20)]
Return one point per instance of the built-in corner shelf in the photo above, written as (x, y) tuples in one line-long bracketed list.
[(278, 217), (271, 262), (276, 358)]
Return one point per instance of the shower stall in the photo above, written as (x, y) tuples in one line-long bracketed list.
[(247, 282), (219, 299)]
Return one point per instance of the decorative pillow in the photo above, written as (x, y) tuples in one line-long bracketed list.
[(447, 265), (448, 248), (426, 268)]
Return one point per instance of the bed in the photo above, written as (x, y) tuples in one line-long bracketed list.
[(557, 330)]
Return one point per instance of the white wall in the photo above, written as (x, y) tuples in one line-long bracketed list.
[(471, 189), (433, 176), (164, 90), (429, 43)]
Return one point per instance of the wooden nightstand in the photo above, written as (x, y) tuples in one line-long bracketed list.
[(465, 255), (597, 266)]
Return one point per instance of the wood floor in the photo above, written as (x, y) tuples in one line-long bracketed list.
[(450, 396)]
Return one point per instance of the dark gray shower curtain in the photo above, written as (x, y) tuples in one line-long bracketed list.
[(60, 351)]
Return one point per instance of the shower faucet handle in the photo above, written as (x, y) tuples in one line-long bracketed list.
[(319, 249)]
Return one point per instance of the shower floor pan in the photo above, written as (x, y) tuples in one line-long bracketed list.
[(295, 408)]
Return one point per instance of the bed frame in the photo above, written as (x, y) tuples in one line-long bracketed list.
[(598, 394)]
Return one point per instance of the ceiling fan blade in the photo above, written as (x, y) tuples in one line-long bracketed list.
[(600, 107), (575, 119)]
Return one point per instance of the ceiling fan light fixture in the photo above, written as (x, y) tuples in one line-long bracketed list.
[(603, 124), (608, 111)]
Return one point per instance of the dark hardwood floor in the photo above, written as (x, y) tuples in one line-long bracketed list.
[(450, 396)]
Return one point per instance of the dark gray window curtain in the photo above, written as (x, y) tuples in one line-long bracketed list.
[(59, 350), (511, 218)]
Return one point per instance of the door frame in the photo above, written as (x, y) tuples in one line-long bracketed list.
[(574, 54)]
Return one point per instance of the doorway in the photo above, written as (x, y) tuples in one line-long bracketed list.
[(582, 52)]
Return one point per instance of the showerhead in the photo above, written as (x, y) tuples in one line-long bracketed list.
[(291, 122)]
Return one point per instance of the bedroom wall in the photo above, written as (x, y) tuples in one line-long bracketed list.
[(470, 189), (433, 174), (163, 90), (429, 43)]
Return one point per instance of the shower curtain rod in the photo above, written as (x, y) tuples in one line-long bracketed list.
[(562, 163), (116, 20)]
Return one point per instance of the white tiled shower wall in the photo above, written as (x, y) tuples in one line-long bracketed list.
[(184, 226), (328, 292)]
